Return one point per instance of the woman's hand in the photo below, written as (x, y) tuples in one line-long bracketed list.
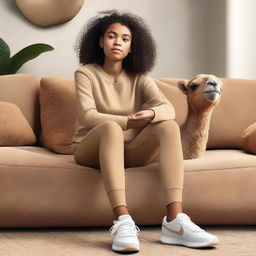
[(140, 119), (144, 114)]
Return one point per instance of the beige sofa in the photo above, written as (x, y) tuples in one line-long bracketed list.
[(42, 188)]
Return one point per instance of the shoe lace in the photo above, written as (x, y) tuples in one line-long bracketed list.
[(186, 222), (128, 228)]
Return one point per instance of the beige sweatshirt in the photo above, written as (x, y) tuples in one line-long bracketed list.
[(99, 98)]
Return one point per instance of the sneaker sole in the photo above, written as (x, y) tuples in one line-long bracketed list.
[(128, 248), (167, 240)]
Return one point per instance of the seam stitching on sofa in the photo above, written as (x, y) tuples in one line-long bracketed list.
[(30, 166), (231, 168)]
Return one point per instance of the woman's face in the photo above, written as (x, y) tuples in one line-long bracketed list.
[(116, 42)]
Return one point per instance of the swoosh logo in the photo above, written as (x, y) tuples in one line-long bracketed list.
[(180, 232)]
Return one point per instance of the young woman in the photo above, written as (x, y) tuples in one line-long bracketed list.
[(117, 51)]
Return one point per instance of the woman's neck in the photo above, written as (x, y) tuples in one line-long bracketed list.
[(113, 68)]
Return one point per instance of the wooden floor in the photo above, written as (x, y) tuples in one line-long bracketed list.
[(234, 240)]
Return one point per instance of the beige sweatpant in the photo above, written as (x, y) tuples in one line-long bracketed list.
[(103, 148)]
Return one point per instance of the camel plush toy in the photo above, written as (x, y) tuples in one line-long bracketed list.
[(203, 94)]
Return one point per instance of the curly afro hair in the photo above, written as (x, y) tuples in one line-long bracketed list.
[(143, 55)]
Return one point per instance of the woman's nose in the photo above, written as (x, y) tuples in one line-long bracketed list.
[(117, 42)]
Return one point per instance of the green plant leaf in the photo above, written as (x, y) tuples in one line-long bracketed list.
[(28, 53), (4, 57)]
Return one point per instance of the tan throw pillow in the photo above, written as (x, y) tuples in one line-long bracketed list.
[(14, 128), (58, 113), (248, 139)]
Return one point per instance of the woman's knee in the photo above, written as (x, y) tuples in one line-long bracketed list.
[(168, 126), (110, 127)]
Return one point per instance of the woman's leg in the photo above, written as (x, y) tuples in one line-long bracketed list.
[(103, 148), (161, 138), (165, 135)]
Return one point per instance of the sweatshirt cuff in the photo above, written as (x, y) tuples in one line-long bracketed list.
[(162, 112), (123, 120)]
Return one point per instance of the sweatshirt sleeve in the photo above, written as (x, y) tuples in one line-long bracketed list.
[(156, 100), (88, 114)]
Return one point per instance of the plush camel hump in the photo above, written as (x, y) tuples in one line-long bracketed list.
[(49, 12)]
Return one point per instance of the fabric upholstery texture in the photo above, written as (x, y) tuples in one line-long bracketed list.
[(48, 189), (232, 115), (14, 128), (225, 115), (58, 111), (22, 90), (42, 188), (249, 139)]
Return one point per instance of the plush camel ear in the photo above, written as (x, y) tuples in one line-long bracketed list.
[(248, 139), (183, 86)]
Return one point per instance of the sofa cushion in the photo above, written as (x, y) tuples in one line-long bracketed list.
[(58, 113), (14, 128), (249, 139), (67, 194), (59, 123), (232, 115), (176, 97), (22, 90)]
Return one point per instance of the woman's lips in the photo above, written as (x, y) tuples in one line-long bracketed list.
[(116, 50)]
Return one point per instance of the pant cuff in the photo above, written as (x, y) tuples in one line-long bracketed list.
[(173, 195), (117, 197)]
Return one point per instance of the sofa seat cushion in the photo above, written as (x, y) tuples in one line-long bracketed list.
[(40, 188), (31, 156)]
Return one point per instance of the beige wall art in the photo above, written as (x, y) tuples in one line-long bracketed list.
[(49, 12)]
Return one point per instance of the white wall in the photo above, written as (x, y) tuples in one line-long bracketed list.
[(241, 39), (191, 36)]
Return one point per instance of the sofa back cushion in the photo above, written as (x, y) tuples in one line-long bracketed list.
[(22, 90), (234, 113), (231, 116), (175, 96), (58, 111)]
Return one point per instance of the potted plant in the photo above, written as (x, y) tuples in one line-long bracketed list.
[(10, 65)]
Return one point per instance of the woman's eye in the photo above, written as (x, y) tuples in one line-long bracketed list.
[(111, 37), (126, 39)]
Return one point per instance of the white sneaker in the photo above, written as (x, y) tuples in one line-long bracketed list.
[(182, 231), (124, 232)]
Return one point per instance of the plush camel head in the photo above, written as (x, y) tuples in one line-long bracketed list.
[(203, 92)]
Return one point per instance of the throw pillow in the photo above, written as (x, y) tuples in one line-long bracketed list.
[(58, 113), (248, 139), (14, 127)]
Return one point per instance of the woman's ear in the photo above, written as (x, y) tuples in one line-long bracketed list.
[(101, 41), (183, 86)]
